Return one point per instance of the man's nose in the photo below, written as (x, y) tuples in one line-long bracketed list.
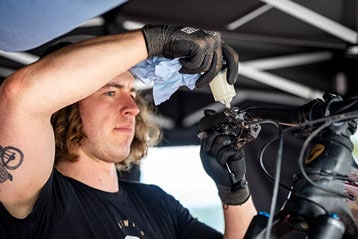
[(129, 106)]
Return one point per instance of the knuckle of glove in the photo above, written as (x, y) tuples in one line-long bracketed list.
[(206, 40), (237, 155), (220, 142), (215, 143), (225, 154)]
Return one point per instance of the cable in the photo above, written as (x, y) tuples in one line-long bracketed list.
[(333, 119), (262, 165), (277, 178), (312, 128)]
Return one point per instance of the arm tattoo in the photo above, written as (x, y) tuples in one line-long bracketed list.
[(10, 159)]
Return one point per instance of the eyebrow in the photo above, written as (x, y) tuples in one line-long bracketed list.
[(116, 85)]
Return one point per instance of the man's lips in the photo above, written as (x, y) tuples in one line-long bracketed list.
[(125, 128)]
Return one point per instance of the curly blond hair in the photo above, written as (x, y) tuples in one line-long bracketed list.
[(67, 125)]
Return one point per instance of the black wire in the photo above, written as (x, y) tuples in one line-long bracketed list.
[(276, 183), (277, 178), (347, 106), (261, 153), (329, 119), (336, 99), (262, 164), (333, 119)]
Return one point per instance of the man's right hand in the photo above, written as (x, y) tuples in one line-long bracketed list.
[(201, 51)]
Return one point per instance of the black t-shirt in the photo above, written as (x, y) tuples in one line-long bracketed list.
[(69, 209)]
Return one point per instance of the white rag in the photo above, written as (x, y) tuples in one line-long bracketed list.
[(164, 73)]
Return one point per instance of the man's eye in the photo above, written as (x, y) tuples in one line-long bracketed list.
[(110, 93)]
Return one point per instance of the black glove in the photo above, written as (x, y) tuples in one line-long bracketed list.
[(200, 51), (226, 166)]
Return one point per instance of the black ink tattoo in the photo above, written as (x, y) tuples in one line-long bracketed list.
[(10, 159)]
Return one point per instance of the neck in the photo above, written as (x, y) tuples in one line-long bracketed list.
[(94, 173)]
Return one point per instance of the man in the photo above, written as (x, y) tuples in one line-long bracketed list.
[(81, 197)]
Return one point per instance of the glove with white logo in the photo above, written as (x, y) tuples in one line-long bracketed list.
[(200, 51)]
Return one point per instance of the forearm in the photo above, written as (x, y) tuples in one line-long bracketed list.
[(237, 219), (76, 71)]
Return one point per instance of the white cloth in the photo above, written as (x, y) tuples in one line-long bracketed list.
[(164, 73)]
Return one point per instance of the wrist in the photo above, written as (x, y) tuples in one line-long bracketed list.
[(154, 40), (236, 197)]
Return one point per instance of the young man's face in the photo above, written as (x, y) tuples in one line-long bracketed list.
[(108, 119)]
